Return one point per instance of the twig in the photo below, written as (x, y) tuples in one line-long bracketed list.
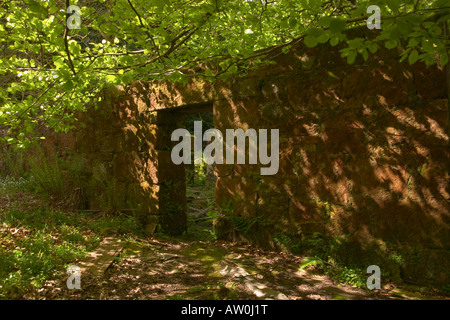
[(37, 99), (66, 42), (145, 29)]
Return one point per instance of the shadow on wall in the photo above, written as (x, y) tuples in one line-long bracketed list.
[(364, 155), (127, 141)]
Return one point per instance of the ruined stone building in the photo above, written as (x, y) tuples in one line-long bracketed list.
[(364, 156)]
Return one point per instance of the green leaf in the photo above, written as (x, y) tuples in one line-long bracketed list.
[(325, 21), (373, 47), (444, 59), (315, 32), (74, 47), (427, 45), (311, 41), (34, 29), (413, 57), (310, 261), (59, 63), (111, 78), (293, 22), (404, 55), (52, 9), (337, 25), (223, 65), (430, 59), (334, 41), (413, 42), (394, 5), (67, 86), (444, 18), (355, 44), (351, 57), (233, 69), (37, 8), (404, 27), (286, 49), (390, 44), (323, 38), (365, 54)]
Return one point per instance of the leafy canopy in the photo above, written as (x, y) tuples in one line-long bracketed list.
[(48, 71)]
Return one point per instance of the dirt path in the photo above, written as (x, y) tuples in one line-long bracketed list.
[(197, 268), (167, 269)]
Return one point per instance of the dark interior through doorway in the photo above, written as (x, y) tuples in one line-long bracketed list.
[(200, 181)]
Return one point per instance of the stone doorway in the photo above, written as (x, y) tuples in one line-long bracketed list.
[(200, 183), (175, 179)]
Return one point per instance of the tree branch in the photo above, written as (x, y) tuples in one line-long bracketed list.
[(66, 42), (145, 29)]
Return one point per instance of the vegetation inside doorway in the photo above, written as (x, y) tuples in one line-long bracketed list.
[(200, 187)]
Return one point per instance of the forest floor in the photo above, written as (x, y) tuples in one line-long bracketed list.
[(163, 269), (167, 269), (36, 245)]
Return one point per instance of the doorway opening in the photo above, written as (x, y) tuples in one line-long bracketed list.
[(200, 181)]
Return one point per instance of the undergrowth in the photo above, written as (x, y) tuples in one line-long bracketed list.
[(326, 253), (323, 256), (39, 244), (10, 185), (47, 176)]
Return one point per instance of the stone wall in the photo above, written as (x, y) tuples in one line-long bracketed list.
[(364, 156)]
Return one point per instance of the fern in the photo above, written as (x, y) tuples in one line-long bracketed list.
[(311, 261), (243, 224), (46, 175), (103, 188), (12, 163)]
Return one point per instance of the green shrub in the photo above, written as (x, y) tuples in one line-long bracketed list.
[(196, 175), (242, 224), (12, 163), (10, 185), (325, 255), (102, 188), (446, 289), (287, 243), (47, 176)]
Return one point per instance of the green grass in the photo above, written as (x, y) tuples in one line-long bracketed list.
[(10, 185), (47, 176), (324, 257), (196, 176), (39, 244)]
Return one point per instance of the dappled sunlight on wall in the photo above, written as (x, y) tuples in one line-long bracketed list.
[(364, 154)]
